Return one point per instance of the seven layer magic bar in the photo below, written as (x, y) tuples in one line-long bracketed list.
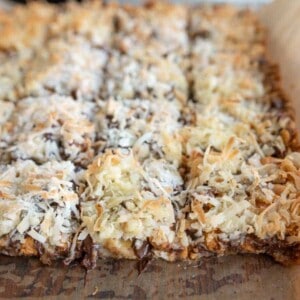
[(155, 131)]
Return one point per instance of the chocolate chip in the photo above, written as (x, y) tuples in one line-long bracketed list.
[(203, 34), (91, 253), (48, 136), (143, 250), (279, 153), (74, 94), (277, 102), (192, 233)]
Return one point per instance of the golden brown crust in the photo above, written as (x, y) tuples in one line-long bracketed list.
[(29, 30)]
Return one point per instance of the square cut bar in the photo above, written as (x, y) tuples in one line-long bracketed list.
[(144, 76), (22, 31), (158, 29), (129, 209), (70, 68), (39, 213), (49, 128), (140, 124)]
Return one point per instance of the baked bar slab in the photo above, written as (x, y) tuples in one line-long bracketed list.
[(139, 132)]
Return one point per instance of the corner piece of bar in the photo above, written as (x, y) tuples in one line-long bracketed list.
[(39, 213)]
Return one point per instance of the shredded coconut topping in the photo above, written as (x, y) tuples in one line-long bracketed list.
[(149, 128), (52, 128), (39, 201), (127, 200)]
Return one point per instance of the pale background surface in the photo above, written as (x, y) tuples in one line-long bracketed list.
[(236, 277)]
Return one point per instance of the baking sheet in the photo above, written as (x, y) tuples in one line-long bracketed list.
[(234, 277)]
